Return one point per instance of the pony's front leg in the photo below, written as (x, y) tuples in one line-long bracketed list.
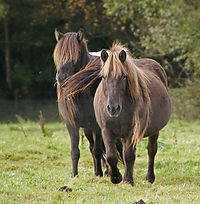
[(111, 156), (152, 150), (129, 160), (75, 152)]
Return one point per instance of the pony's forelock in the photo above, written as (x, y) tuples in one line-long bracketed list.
[(67, 49), (113, 65)]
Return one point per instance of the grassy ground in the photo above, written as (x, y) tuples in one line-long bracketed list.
[(34, 166)]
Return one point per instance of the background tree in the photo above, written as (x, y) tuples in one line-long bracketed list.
[(167, 31), (29, 27)]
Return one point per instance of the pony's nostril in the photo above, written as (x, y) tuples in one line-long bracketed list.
[(118, 108), (108, 108)]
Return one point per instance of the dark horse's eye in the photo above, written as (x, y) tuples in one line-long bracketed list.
[(124, 76)]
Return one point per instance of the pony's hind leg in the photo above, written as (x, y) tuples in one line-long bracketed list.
[(96, 151), (119, 148), (152, 150), (75, 152)]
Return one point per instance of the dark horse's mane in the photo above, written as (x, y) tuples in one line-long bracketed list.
[(68, 49), (88, 78)]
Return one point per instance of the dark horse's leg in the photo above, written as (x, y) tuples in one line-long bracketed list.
[(95, 149), (152, 150), (75, 152), (97, 152), (129, 159), (111, 156)]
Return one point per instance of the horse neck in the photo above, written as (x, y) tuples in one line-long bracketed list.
[(85, 56)]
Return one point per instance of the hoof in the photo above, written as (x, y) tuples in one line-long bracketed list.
[(150, 179), (139, 202), (116, 180), (129, 182), (106, 172), (99, 174), (75, 176), (65, 188)]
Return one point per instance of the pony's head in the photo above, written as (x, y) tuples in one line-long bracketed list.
[(114, 79), (122, 80), (70, 54)]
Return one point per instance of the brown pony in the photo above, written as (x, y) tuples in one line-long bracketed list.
[(131, 102), (70, 55)]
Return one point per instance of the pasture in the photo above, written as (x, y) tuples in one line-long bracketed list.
[(34, 166)]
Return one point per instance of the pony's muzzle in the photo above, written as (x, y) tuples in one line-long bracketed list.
[(113, 111)]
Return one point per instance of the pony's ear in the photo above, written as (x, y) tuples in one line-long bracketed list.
[(80, 35), (58, 34), (104, 55), (122, 56)]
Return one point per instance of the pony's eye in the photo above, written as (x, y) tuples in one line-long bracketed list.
[(72, 63), (104, 77), (124, 77)]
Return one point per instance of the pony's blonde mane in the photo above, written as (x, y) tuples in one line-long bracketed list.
[(137, 85), (67, 49)]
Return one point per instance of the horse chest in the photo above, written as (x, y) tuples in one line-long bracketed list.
[(85, 115), (119, 126)]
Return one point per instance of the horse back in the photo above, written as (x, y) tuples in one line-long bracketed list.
[(159, 94), (152, 66)]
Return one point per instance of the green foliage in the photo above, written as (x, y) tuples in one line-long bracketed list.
[(31, 41), (48, 132), (34, 168), (165, 30), (4, 7), (30, 51), (186, 101)]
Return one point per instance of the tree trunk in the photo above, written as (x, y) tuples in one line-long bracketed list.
[(7, 54)]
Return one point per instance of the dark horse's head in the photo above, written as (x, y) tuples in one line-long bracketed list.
[(70, 54)]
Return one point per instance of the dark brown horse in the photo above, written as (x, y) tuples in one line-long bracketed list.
[(70, 55), (131, 102)]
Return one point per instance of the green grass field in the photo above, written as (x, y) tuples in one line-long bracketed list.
[(34, 167)]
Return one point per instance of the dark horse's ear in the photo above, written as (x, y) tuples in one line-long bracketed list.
[(58, 34), (80, 35), (122, 56), (104, 55)]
